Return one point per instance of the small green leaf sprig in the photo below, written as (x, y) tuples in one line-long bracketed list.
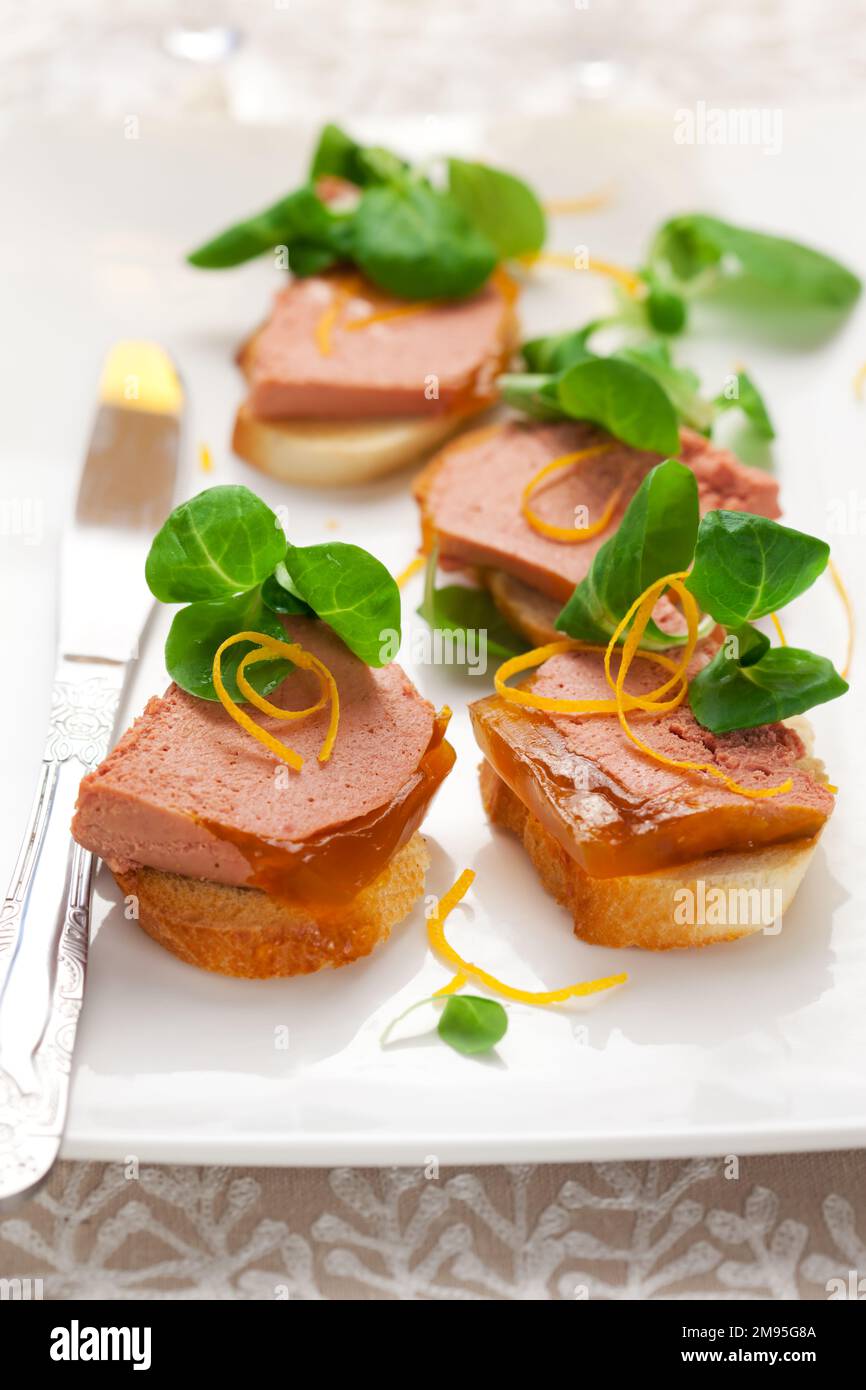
[(225, 556), (743, 568), (410, 237), (638, 392)]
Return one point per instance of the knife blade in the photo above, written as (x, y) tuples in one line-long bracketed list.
[(124, 495)]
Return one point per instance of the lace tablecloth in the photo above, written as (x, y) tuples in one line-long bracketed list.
[(791, 1227), (774, 1227)]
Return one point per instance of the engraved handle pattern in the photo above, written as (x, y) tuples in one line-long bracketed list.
[(44, 931)]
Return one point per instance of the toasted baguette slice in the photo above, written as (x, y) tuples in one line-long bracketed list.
[(336, 453), (245, 932), (647, 910), (527, 610)]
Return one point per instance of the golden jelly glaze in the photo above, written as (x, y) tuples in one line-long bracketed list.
[(606, 828), (328, 871)]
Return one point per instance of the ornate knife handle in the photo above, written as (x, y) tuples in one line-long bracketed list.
[(45, 928)]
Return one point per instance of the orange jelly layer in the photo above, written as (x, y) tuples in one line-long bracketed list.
[(329, 870), (606, 828)]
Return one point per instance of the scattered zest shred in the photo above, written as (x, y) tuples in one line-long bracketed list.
[(626, 279), (841, 590), (564, 207), (397, 311), (779, 629), (344, 289), (411, 569), (205, 459), (568, 533), (267, 648), (637, 616), (859, 382), (466, 970)]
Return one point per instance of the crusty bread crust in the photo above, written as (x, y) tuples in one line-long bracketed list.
[(244, 932), (641, 909), (337, 453), (529, 611)]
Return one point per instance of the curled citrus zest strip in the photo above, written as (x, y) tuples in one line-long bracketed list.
[(626, 279), (466, 970), (641, 611), (458, 981), (294, 652), (637, 616), (841, 590), (205, 459), (264, 654), (552, 704), (343, 291), (779, 629), (568, 533), (411, 569), (272, 647)]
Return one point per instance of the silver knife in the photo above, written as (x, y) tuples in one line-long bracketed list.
[(124, 496)]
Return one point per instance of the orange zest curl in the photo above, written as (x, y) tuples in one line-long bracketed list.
[(266, 649), (568, 533), (466, 970), (634, 624), (411, 569)]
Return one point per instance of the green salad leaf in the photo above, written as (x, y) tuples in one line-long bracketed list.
[(666, 310), (502, 207), (225, 554), (622, 398), (220, 542), (761, 684), (747, 398), (745, 567), (410, 238), (655, 537), (471, 1024), (564, 381), (459, 609), (691, 244), (559, 350), (352, 591), (532, 392), (417, 243), (199, 629), (300, 221), (680, 384), (279, 594), (748, 566), (337, 154)]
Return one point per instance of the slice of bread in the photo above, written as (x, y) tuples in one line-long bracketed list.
[(652, 910), (245, 932), (527, 610), (337, 453)]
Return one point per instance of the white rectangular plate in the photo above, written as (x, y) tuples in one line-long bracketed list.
[(748, 1047)]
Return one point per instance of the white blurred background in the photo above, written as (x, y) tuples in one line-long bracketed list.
[(265, 60)]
